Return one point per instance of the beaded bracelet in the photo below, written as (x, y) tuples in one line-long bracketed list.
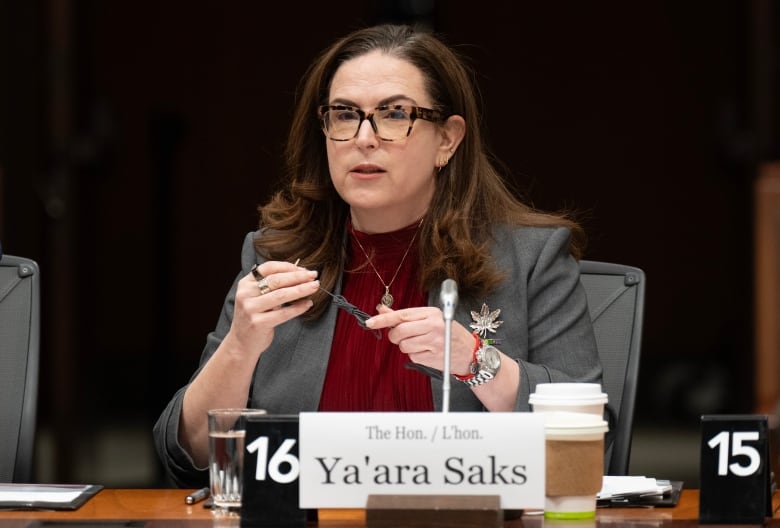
[(477, 345)]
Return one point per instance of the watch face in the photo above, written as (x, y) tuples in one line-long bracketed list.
[(491, 358)]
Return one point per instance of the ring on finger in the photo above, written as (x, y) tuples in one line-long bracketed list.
[(263, 286)]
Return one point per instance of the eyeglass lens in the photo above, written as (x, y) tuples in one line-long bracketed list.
[(390, 123)]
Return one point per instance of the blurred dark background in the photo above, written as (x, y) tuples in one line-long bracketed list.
[(138, 138)]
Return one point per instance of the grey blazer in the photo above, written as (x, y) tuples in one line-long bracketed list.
[(546, 329)]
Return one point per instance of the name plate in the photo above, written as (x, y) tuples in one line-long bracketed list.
[(345, 457)]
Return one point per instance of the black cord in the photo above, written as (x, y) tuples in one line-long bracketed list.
[(359, 315)]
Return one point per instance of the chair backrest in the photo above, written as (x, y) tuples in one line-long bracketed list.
[(19, 349), (616, 299)]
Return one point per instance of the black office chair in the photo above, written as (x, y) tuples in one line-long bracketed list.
[(616, 299), (19, 348)]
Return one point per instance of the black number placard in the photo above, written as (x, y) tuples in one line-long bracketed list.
[(271, 473), (735, 469)]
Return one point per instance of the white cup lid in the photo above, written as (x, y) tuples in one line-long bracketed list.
[(573, 423), (568, 394)]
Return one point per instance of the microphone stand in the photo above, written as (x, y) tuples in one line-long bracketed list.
[(449, 298)]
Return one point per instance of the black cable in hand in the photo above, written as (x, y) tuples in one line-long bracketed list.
[(359, 315)]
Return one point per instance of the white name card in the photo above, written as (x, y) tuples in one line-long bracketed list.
[(345, 457)]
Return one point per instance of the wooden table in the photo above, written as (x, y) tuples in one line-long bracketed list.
[(162, 508)]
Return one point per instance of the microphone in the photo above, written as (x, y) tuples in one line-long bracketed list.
[(449, 299)]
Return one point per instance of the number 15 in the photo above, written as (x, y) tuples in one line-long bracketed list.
[(722, 441)]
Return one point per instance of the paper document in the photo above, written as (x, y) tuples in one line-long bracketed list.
[(29, 493), (46, 496), (613, 486)]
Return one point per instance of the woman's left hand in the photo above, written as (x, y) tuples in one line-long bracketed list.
[(419, 332)]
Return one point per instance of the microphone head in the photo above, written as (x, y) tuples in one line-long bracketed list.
[(449, 297)]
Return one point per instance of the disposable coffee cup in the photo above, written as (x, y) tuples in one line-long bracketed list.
[(574, 463), (568, 397), (574, 446)]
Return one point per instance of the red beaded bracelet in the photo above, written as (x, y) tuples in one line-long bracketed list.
[(477, 345)]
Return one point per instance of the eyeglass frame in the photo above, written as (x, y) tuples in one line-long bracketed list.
[(415, 113)]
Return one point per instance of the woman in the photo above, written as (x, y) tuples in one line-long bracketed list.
[(389, 191)]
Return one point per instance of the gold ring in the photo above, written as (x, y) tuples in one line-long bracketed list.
[(263, 286)]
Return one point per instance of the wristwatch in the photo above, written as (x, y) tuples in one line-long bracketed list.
[(484, 366)]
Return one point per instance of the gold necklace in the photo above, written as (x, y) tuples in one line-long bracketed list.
[(387, 298)]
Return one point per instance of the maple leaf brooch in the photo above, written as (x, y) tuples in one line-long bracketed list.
[(485, 321)]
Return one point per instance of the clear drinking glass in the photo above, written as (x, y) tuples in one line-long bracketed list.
[(227, 433)]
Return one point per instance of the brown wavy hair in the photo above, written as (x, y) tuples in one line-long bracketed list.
[(306, 218)]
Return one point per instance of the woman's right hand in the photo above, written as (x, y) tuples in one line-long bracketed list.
[(279, 292), (257, 311)]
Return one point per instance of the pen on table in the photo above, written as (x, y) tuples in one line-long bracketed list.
[(197, 496)]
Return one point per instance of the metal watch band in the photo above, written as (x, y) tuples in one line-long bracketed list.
[(481, 377)]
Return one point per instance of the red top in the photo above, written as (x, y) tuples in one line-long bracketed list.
[(366, 374)]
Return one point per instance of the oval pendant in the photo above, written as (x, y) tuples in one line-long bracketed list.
[(387, 300)]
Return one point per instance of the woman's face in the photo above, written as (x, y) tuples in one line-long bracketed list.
[(388, 184)]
